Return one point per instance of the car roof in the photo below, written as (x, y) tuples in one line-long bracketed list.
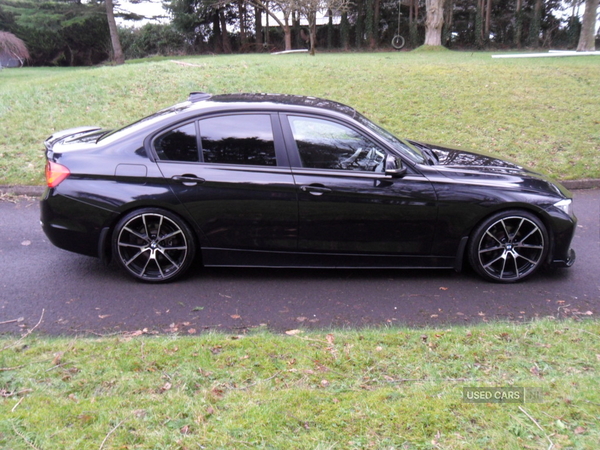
[(269, 100), (199, 102)]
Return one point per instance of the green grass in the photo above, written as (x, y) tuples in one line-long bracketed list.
[(544, 113), (369, 389)]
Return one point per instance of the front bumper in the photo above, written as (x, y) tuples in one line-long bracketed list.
[(565, 262)]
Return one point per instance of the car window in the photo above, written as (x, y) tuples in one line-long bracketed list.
[(179, 144), (238, 139), (323, 144)]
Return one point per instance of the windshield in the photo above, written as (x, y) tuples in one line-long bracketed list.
[(403, 147)]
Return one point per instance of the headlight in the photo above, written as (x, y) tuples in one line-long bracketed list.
[(565, 206)]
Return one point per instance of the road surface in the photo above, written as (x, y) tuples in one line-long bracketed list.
[(79, 295)]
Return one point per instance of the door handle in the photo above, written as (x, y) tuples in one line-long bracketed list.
[(188, 180), (315, 189)]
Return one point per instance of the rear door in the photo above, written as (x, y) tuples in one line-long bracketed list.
[(232, 174)]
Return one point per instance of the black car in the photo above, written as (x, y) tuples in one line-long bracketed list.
[(270, 180)]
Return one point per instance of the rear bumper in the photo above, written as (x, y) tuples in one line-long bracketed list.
[(70, 224)]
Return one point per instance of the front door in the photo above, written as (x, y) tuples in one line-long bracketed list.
[(347, 205)]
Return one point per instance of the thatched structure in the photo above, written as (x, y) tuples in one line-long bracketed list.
[(13, 51)]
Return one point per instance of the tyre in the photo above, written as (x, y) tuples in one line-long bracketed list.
[(508, 246), (153, 245), (398, 42)]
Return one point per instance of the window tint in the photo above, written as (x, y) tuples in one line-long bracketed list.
[(323, 144), (238, 139), (179, 144)]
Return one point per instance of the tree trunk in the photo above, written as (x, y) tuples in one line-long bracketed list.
[(370, 13), (587, 38), (312, 26), (375, 35), (413, 17), (488, 21), (329, 29), (243, 20), (536, 24), (448, 18), (359, 25), (345, 31), (224, 34), (479, 25), (434, 22), (287, 33), (297, 40), (258, 25), (518, 23), (114, 34)]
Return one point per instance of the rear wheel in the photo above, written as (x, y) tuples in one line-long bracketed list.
[(509, 246), (153, 245)]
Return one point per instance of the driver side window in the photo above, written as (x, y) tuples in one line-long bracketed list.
[(323, 144)]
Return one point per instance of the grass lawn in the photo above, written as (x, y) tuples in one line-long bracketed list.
[(544, 113), (387, 388), (370, 389)]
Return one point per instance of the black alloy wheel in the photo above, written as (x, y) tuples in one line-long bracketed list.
[(153, 245), (508, 246)]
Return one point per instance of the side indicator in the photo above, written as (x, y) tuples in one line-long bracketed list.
[(55, 174)]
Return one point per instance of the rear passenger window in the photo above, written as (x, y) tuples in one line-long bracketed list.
[(179, 144), (238, 139)]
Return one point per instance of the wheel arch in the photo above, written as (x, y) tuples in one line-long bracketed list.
[(106, 233), (461, 255)]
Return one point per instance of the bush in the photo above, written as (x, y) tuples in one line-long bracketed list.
[(151, 40)]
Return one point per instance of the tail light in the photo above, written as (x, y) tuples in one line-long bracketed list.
[(55, 173)]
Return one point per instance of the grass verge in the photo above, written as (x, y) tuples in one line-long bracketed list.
[(541, 112), (367, 389)]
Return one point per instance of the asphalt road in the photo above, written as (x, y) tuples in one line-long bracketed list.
[(79, 295)]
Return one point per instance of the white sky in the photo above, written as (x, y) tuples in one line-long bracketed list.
[(153, 8)]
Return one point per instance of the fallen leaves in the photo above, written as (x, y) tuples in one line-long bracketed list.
[(293, 332)]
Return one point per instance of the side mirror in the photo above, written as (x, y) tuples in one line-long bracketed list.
[(394, 166)]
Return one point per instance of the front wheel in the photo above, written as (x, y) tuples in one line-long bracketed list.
[(398, 42), (153, 245), (508, 246)]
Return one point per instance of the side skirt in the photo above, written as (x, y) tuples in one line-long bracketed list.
[(213, 257)]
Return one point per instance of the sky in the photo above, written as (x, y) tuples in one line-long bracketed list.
[(153, 8)]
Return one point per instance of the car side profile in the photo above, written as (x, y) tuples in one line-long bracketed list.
[(269, 180)]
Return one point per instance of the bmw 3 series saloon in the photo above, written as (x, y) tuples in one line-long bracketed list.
[(270, 180)]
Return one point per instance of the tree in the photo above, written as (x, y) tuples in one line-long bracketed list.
[(413, 19), (12, 47), (310, 8), (518, 23), (434, 22), (58, 33), (587, 38), (285, 7), (114, 33), (536, 24)]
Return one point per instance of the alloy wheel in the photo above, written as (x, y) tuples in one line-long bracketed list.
[(511, 248), (152, 246)]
